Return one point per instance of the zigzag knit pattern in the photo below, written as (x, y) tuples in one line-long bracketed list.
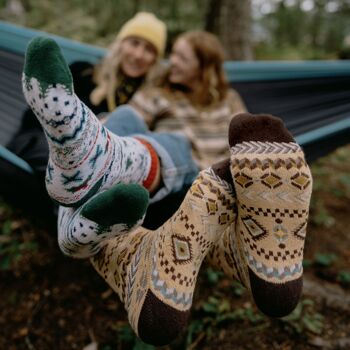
[(155, 272), (273, 205), (84, 156), (264, 247), (273, 186)]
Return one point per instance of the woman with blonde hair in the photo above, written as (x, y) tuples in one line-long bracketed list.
[(130, 59), (135, 52)]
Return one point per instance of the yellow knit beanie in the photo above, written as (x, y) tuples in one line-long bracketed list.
[(146, 26)]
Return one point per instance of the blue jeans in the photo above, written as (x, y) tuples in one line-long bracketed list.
[(178, 169)]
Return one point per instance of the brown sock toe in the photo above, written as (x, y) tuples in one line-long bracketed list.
[(275, 300), (259, 127), (222, 169), (159, 324)]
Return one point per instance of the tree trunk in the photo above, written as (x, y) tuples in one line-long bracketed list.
[(212, 18), (231, 21)]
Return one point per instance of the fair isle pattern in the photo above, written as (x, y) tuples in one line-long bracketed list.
[(274, 212), (184, 300), (115, 257), (237, 247), (273, 187), (270, 254), (80, 237), (298, 162), (281, 273), (194, 228), (167, 261), (222, 257), (84, 156)]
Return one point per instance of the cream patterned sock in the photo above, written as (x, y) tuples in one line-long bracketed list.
[(84, 156), (273, 187), (155, 272)]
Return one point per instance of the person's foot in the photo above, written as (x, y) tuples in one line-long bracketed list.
[(118, 210), (273, 187), (155, 272), (84, 156)]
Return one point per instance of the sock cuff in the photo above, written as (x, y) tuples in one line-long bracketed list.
[(155, 164)]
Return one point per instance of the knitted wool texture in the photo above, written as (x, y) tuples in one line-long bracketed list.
[(84, 156), (155, 272), (273, 184), (147, 26), (116, 211)]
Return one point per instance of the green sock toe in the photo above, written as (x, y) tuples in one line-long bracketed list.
[(121, 204), (45, 62)]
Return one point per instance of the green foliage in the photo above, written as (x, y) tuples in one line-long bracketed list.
[(98, 22), (12, 246), (213, 276), (299, 34), (216, 312), (325, 259), (343, 277), (307, 263), (238, 289), (321, 216), (304, 318), (128, 339), (290, 32)]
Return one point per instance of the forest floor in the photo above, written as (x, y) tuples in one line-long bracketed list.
[(48, 301)]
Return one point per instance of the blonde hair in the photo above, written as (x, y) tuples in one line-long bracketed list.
[(144, 25), (105, 76)]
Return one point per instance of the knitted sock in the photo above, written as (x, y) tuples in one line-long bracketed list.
[(224, 254), (273, 187), (84, 156), (106, 215), (155, 272)]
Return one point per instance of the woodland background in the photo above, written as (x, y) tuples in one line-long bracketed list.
[(256, 29), (48, 301)]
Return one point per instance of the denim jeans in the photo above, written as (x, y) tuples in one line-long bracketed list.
[(178, 169)]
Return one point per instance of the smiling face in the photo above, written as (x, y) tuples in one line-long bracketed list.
[(137, 56), (184, 64)]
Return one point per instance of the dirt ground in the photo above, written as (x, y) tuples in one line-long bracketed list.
[(48, 301)]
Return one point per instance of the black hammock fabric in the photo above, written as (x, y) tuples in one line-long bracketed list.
[(304, 105)]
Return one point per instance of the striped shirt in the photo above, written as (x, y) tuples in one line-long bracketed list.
[(205, 127)]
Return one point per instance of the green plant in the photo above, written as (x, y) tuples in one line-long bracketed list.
[(307, 263), (127, 338), (325, 259), (322, 217), (216, 312), (344, 277), (213, 276), (238, 289), (304, 318), (12, 248)]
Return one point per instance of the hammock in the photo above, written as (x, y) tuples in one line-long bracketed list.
[(313, 97)]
